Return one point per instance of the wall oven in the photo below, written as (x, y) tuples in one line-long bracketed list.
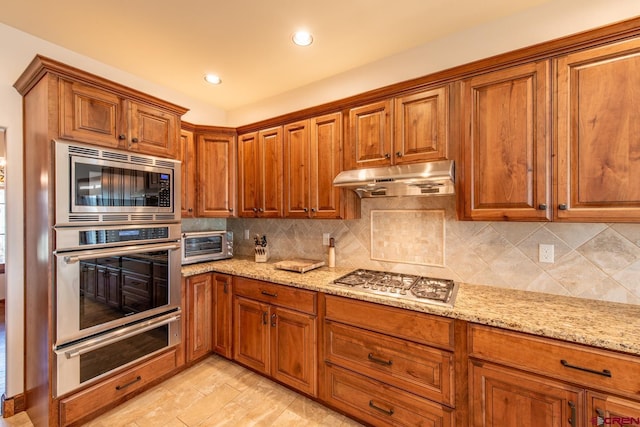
[(102, 185), (117, 298)]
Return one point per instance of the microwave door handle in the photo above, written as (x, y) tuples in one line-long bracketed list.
[(71, 259), (118, 335)]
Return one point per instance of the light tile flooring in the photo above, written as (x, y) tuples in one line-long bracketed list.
[(215, 392)]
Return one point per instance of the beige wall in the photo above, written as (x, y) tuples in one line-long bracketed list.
[(596, 261)]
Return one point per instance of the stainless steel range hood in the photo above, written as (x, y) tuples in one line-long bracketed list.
[(418, 179)]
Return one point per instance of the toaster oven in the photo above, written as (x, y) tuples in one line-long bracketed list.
[(206, 246)]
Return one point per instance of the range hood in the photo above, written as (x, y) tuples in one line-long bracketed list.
[(418, 179)]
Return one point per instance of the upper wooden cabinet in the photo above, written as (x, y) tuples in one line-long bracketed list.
[(312, 150), (98, 116), (598, 123), (188, 158), (260, 171), (216, 174), (505, 149), (407, 129)]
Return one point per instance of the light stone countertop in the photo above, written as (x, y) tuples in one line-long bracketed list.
[(606, 325)]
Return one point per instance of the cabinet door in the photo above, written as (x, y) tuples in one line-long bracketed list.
[(609, 410), (501, 397), (297, 167), (91, 115), (251, 334), (188, 157), (293, 349), (271, 169), (598, 123), (505, 144), (421, 126), (369, 143), (200, 300), (222, 309), (153, 131), (248, 175), (326, 151), (216, 175)]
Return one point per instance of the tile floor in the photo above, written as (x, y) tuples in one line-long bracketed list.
[(215, 392)]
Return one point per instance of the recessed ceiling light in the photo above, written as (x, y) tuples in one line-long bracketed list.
[(302, 38), (213, 79)]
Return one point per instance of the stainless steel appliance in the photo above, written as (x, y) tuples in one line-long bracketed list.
[(117, 298), (206, 246), (417, 179), (405, 286), (102, 185)]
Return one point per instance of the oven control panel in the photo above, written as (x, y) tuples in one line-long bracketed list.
[(104, 236)]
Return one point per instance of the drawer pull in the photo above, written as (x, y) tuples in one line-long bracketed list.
[(121, 387), (377, 408), (604, 372), (269, 294), (378, 360), (572, 420)]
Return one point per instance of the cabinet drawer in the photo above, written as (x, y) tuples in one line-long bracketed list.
[(379, 404), (419, 327), (115, 388), (578, 364), (280, 295), (416, 368)]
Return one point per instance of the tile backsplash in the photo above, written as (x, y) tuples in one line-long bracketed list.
[(597, 261)]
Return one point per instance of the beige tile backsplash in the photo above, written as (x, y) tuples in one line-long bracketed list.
[(598, 261)]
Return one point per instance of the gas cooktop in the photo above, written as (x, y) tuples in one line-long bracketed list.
[(405, 286)]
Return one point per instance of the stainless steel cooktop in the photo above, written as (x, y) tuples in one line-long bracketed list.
[(406, 286)]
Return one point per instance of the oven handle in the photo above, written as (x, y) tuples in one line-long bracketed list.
[(126, 250), (120, 335)]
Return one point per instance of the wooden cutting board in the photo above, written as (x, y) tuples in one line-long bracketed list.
[(299, 265)]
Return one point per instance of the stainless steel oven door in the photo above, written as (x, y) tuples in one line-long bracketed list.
[(86, 361), (101, 289)]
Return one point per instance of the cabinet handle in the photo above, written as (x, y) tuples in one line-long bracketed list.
[(562, 207), (398, 154), (378, 360), (260, 210), (269, 294), (255, 209), (264, 317), (600, 412), (305, 209), (230, 209), (572, 419), (387, 155), (190, 210), (134, 140), (120, 387), (542, 207), (377, 408), (313, 209), (604, 372), (273, 320), (122, 136), (225, 288)]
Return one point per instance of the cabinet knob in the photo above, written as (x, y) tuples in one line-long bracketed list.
[(398, 154), (260, 210), (230, 209), (305, 209), (122, 136), (255, 209), (190, 210), (387, 155), (562, 207), (313, 209), (542, 207), (134, 140)]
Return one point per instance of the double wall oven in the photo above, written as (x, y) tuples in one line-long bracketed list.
[(117, 261)]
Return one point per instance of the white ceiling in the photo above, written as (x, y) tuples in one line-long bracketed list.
[(247, 42)]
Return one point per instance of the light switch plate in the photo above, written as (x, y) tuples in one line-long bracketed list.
[(545, 253), (325, 238), (246, 234)]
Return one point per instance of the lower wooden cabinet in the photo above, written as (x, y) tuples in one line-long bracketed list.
[(222, 313), (275, 332), (606, 410)]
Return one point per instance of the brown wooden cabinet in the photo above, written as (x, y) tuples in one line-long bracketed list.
[(598, 122), (199, 315), (275, 332), (260, 170), (100, 116), (222, 315), (607, 410), (370, 132), (312, 159), (506, 144), (216, 174), (189, 178)]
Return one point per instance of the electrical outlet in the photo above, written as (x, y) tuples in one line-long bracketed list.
[(246, 234), (545, 253), (325, 239)]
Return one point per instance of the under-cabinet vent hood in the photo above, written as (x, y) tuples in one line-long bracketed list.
[(418, 179)]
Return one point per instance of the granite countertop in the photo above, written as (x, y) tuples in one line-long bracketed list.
[(606, 325)]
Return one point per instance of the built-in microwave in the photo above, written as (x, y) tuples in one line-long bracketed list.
[(206, 246), (97, 185)]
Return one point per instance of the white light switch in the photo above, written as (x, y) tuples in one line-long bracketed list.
[(246, 234), (545, 253)]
